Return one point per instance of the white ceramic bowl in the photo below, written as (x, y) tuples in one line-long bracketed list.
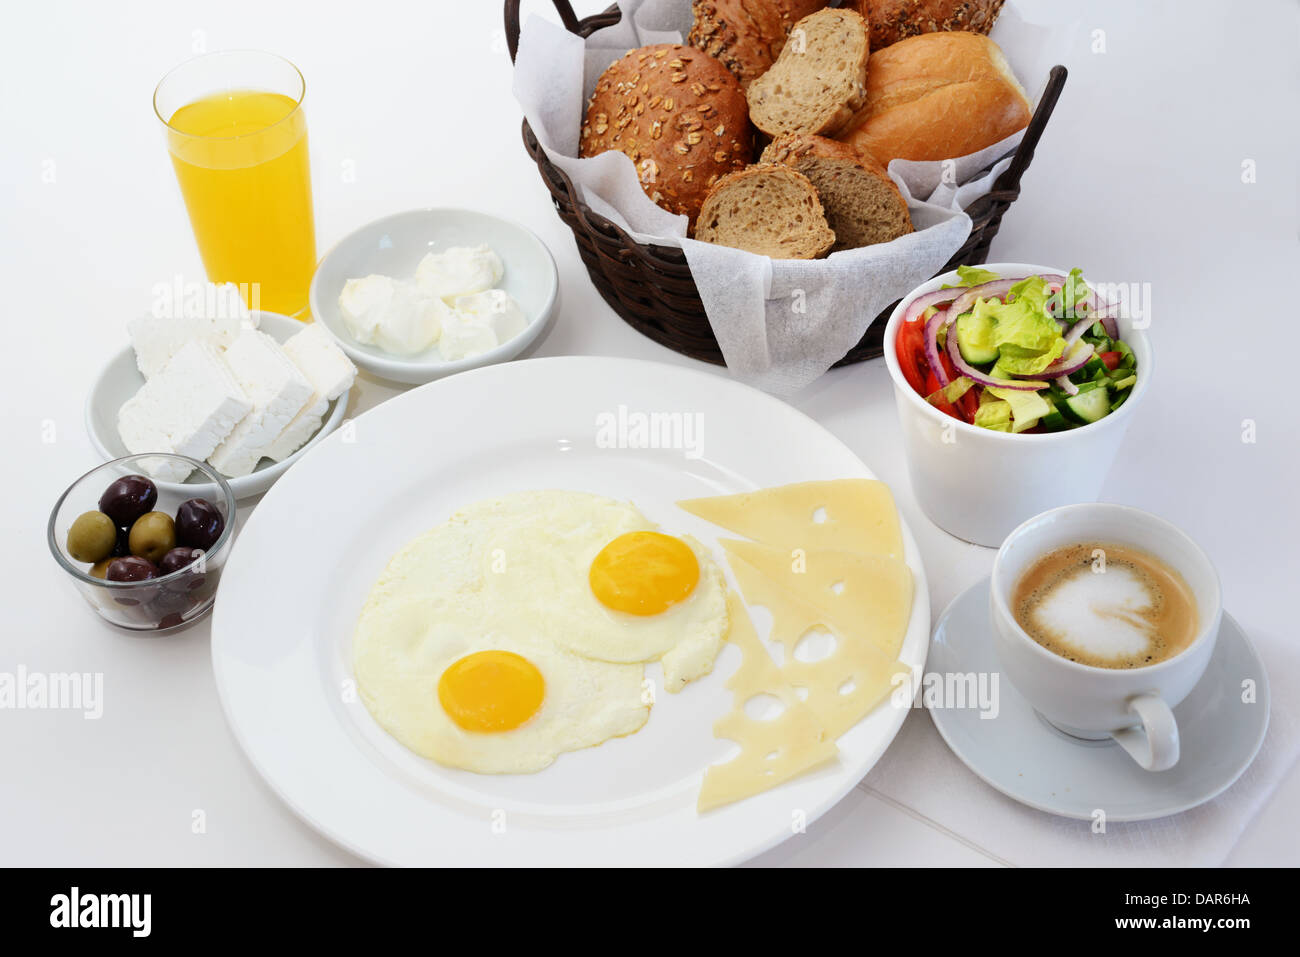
[(978, 484), (121, 379), (393, 246)]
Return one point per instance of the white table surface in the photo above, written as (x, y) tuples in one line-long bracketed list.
[(1139, 178)]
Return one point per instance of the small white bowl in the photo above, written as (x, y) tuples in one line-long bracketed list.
[(393, 246), (121, 379)]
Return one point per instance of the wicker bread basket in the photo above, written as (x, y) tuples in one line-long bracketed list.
[(651, 286)]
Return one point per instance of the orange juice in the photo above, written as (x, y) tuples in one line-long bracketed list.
[(241, 160)]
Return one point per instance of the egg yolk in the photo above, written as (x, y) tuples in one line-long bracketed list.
[(644, 573), (491, 691)]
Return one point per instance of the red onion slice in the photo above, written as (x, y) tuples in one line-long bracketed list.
[(966, 369), (921, 303), (1072, 362), (932, 326), (1066, 386), (1076, 332), (1102, 313)]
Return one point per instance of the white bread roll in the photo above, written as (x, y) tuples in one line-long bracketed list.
[(937, 96)]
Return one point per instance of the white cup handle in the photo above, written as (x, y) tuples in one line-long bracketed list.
[(1153, 745)]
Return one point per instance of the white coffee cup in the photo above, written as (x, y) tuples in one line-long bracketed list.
[(979, 484), (1132, 705)]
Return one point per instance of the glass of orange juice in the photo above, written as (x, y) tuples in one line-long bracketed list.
[(237, 136)]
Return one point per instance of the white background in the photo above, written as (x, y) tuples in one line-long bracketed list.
[(1138, 178)]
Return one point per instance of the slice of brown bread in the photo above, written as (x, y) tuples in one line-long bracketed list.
[(819, 81), (766, 209), (863, 206)]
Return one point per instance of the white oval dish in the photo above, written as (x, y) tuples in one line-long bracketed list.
[(284, 667), (121, 379), (394, 245)]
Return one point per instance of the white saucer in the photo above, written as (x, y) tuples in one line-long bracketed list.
[(1027, 759)]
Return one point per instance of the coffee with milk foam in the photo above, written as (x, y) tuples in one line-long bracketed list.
[(1109, 606)]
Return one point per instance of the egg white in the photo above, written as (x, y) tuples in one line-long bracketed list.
[(406, 639), (532, 552)]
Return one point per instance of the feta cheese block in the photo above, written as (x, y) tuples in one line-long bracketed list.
[(330, 373), (278, 392), (156, 340), (187, 408)]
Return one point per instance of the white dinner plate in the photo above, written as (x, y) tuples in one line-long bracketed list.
[(308, 555)]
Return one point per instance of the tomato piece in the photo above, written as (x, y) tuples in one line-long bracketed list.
[(965, 406), (1111, 359), (910, 348)]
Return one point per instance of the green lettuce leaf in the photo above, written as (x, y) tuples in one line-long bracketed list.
[(971, 276)]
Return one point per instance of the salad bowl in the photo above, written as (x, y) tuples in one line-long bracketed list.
[(978, 483)]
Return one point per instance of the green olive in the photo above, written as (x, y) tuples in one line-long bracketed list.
[(152, 536), (91, 537), (100, 568)]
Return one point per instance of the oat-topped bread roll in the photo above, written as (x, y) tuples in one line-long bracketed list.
[(938, 96), (746, 35), (894, 20), (678, 114), (863, 206), (767, 209), (818, 82)]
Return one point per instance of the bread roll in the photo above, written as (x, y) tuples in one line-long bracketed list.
[(818, 83), (862, 204), (678, 114), (937, 96), (746, 35), (894, 20), (767, 209)]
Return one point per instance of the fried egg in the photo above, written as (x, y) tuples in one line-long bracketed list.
[(597, 577), (468, 692), (518, 629)]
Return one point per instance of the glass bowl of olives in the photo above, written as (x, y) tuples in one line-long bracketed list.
[(145, 558)]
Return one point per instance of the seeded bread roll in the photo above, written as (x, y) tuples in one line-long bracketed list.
[(767, 209), (894, 20), (937, 96), (863, 206), (678, 114), (818, 83), (746, 35)]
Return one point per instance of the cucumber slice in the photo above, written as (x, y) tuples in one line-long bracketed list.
[(1055, 422), (1088, 406), (974, 354)]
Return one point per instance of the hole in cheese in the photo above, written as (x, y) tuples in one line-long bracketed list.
[(815, 645), (764, 707)]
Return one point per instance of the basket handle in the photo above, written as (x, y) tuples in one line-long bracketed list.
[(1010, 178), (562, 7)]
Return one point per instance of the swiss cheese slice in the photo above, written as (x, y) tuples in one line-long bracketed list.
[(851, 515), (868, 597), (773, 750), (846, 685)]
